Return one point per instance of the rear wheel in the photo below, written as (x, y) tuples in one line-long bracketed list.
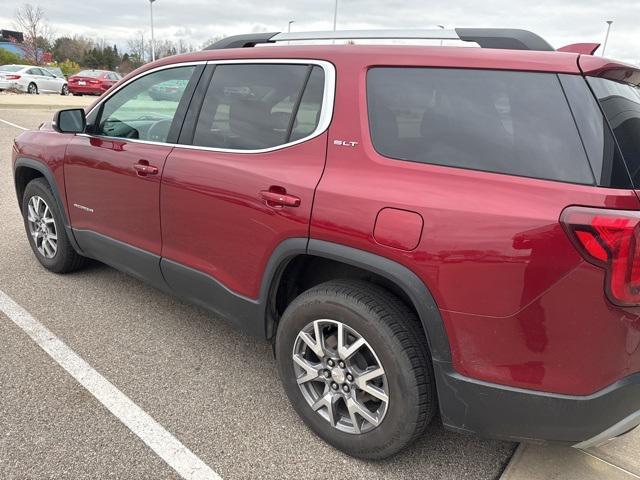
[(32, 88), (355, 366), (45, 229)]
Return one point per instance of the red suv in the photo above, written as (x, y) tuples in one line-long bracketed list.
[(417, 229)]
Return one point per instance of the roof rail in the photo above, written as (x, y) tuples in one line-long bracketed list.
[(501, 38)]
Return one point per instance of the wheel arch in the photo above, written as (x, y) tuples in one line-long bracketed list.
[(409, 287), (27, 169)]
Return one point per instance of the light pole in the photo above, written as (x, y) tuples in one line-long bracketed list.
[(153, 43), (335, 19), (442, 27), (606, 38), (289, 29)]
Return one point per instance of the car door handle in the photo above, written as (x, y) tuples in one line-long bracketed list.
[(143, 168), (279, 198)]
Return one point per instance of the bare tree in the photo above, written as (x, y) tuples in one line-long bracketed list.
[(30, 20), (184, 47), (136, 47)]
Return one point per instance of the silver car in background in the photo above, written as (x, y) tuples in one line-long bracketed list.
[(31, 79)]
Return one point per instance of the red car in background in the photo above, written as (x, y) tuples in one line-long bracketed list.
[(92, 82)]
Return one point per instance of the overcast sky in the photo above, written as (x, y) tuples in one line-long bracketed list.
[(195, 21)]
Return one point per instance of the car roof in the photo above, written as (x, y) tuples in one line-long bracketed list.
[(405, 55), (19, 65), (395, 55)]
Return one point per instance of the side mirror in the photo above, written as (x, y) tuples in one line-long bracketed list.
[(72, 120)]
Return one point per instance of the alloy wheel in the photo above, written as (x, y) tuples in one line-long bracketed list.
[(32, 88), (340, 376), (42, 227)]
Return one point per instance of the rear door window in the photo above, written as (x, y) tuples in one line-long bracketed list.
[(621, 105), (507, 122), (258, 106)]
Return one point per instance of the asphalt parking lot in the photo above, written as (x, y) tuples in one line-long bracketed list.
[(210, 386)]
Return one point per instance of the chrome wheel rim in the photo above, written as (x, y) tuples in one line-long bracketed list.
[(32, 88), (340, 376), (42, 227)]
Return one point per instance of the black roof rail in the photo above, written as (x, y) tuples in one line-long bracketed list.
[(501, 38), (242, 41), (504, 38)]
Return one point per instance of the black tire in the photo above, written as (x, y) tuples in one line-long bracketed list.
[(77, 94), (394, 333), (32, 89), (64, 91), (66, 259)]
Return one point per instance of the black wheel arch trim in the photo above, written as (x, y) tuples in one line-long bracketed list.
[(24, 162), (405, 279)]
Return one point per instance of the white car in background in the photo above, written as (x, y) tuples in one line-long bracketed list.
[(31, 79)]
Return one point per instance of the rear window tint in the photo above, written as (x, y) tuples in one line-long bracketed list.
[(606, 162), (497, 121), (89, 73), (621, 105), (257, 106)]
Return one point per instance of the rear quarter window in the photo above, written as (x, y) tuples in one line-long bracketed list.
[(515, 123), (621, 105)]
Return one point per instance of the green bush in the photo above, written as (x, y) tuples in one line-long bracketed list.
[(68, 67), (7, 57)]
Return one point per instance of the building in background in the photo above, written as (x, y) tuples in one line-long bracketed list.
[(12, 41)]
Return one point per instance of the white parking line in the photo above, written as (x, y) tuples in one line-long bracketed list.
[(13, 124), (165, 445)]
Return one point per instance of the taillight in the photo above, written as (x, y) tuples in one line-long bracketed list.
[(94, 82), (12, 77), (609, 239)]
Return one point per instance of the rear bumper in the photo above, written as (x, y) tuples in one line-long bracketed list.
[(7, 84), (87, 90), (509, 413)]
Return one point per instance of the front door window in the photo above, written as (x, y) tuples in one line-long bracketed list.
[(139, 112)]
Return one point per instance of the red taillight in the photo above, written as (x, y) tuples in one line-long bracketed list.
[(94, 82), (12, 77), (609, 239)]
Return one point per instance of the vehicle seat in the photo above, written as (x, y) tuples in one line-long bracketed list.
[(250, 124)]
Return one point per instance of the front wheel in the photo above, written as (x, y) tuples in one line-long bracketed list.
[(45, 229), (355, 366), (32, 89), (65, 90)]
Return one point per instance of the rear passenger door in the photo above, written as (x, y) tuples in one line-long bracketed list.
[(242, 181), (35, 76)]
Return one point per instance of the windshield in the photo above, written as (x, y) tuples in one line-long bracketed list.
[(90, 73), (11, 68), (621, 105)]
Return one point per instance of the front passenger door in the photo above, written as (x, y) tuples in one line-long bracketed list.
[(52, 84), (112, 174)]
